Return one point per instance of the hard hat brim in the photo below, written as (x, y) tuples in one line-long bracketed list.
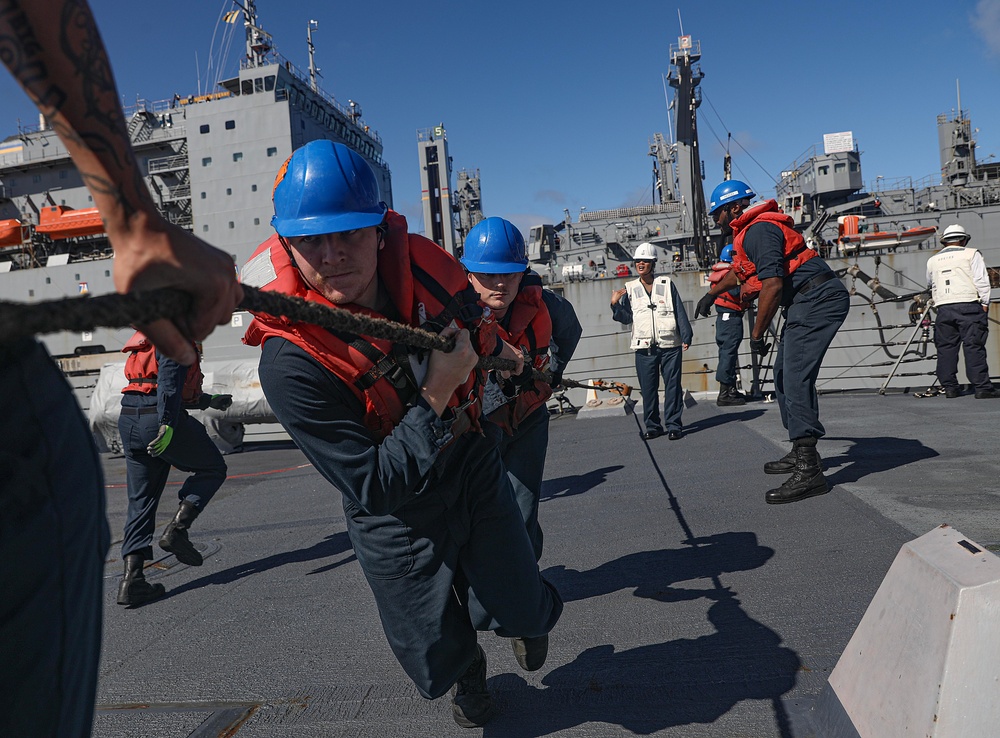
[(319, 225), (493, 267)]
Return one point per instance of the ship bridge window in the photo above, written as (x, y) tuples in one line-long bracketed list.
[(203, 195), (840, 167), (238, 156), (246, 87), (824, 170), (253, 188), (205, 128), (207, 161), (855, 167), (272, 151), (229, 190), (269, 83), (258, 85), (230, 125)]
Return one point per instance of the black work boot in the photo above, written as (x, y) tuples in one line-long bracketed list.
[(175, 538), (471, 704), (530, 652), (807, 478), (786, 464), (729, 396), (134, 590)]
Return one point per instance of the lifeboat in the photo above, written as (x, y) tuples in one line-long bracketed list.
[(12, 232), (59, 222), (852, 238)]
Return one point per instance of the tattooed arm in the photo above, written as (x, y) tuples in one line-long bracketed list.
[(54, 50)]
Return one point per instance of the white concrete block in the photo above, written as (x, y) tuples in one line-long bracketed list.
[(925, 659)]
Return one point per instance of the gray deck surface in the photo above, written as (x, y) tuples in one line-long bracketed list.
[(692, 608)]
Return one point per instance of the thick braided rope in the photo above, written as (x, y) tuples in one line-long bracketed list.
[(19, 320)]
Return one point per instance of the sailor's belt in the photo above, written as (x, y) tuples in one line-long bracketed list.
[(815, 282), (148, 410)]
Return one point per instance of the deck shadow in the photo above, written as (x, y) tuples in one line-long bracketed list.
[(576, 484), (722, 418), (652, 573), (336, 543), (651, 688), (873, 455)]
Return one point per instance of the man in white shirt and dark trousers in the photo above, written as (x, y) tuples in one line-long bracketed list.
[(960, 287), (661, 332)]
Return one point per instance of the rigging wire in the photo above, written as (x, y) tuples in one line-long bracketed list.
[(705, 97)]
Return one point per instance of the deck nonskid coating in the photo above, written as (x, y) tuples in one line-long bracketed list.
[(692, 608)]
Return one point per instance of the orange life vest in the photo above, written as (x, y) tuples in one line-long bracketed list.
[(796, 251), (727, 299), (142, 372), (529, 328), (429, 289)]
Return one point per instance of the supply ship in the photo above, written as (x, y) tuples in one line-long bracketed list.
[(876, 238), (209, 161)]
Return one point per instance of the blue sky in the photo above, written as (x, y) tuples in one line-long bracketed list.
[(555, 103)]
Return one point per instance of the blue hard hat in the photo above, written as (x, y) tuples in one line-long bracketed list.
[(729, 191), (325, 187), (494, 246), (727, 253)]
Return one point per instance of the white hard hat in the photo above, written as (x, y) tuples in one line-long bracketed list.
[(645, 251), (954, 232)]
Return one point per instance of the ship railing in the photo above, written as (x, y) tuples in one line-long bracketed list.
[(184, 220), (178, 192), (279, 60), (168, 164), (638, 211)]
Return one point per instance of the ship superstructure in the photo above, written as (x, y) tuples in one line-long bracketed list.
[(676, 221), (209, 161), (449, 213), (877, 237)]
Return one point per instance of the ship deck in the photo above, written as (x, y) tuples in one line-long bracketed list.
[(692, 608)]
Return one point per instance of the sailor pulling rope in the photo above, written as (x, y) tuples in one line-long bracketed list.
[(19, 320)]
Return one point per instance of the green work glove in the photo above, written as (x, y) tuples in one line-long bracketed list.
[(159, 444), (220, 402)]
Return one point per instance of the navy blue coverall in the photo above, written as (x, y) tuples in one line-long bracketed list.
[(728, 336), (814, 310), (657, 361), (53, 542), (427, 522), (524, 452), (190, 450)]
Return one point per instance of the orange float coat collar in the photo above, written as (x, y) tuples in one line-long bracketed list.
[(428, 288), (726, 299), (796, 251), (530, 328), (141, 370)]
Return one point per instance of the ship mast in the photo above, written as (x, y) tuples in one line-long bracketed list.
[(313, 69), (258, 40), (685, 76)]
